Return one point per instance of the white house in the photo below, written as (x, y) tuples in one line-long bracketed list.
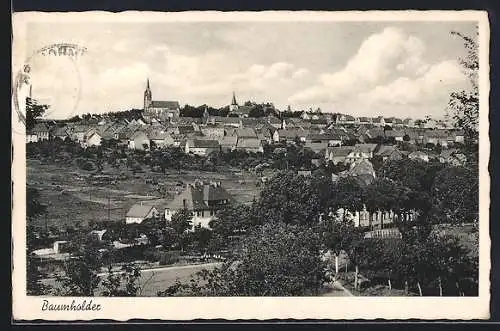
[(92, 138), (202, 199), (138, 213)]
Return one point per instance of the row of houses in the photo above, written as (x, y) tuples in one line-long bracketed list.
[(227, 133), (318, 117)]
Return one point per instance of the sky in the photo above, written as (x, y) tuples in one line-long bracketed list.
[(403, 69)]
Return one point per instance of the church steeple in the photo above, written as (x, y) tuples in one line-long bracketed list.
[(147, 96), (233, 101)]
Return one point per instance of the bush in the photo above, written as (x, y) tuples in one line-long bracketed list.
[(85, 164)]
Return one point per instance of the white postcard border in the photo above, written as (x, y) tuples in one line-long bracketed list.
[(232, 308)]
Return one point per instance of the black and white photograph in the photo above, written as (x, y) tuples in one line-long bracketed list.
[(276, 155)]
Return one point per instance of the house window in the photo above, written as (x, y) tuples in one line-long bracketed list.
[(211, 213)]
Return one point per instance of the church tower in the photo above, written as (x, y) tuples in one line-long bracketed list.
[(234, 105), (147, 96)]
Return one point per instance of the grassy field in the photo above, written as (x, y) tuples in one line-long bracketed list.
[(74, 196)]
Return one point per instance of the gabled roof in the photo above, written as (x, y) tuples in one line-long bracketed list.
[(339, 151), (292, 133), (196, 197), (273, 120), (157, 135), (417, 154), (228, 141), (361, 167), (324, 136), (251, 121), (225, 120), (366, 148), (203, 143), (436, 133), (386, 150), (375, 132), (394, 133), (249, 143), (246, 133), (172, 105), (60, 131), (139, 211), (40, 127), (138, 133), (188, 120), (185, 128)]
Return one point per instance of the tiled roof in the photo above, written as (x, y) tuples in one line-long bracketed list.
[(139, 211), (246, 133), (366, 147), (324, 136), (249, 143), (340, 151), (204, 143), (228, 141), (196, 197)]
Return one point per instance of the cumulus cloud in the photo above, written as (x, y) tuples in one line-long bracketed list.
[(434, 84), (388, 67)]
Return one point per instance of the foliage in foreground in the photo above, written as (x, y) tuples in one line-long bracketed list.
[(275, 260)]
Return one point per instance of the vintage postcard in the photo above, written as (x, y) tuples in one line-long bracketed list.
[(250, 165)]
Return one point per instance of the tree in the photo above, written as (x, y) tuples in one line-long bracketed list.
[(129, 274), (181, 222), (34, 285), (257, 111), (377, 258), (338, 236), (288, 198), (33, 111), (464, 104), (348, 194), (385, 194), (34, 208), (233, 220), (276, 260), (201, 238), (81, 274), (455, 196)]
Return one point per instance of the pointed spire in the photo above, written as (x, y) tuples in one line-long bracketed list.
[(233, 102), (147, 84)]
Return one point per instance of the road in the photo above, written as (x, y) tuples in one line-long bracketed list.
[(158, 279), (154, 280), (337, 290)]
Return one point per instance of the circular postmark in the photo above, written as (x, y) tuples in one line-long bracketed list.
[(50, 76)]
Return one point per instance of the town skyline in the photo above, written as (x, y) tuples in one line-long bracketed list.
[(389, 69)]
